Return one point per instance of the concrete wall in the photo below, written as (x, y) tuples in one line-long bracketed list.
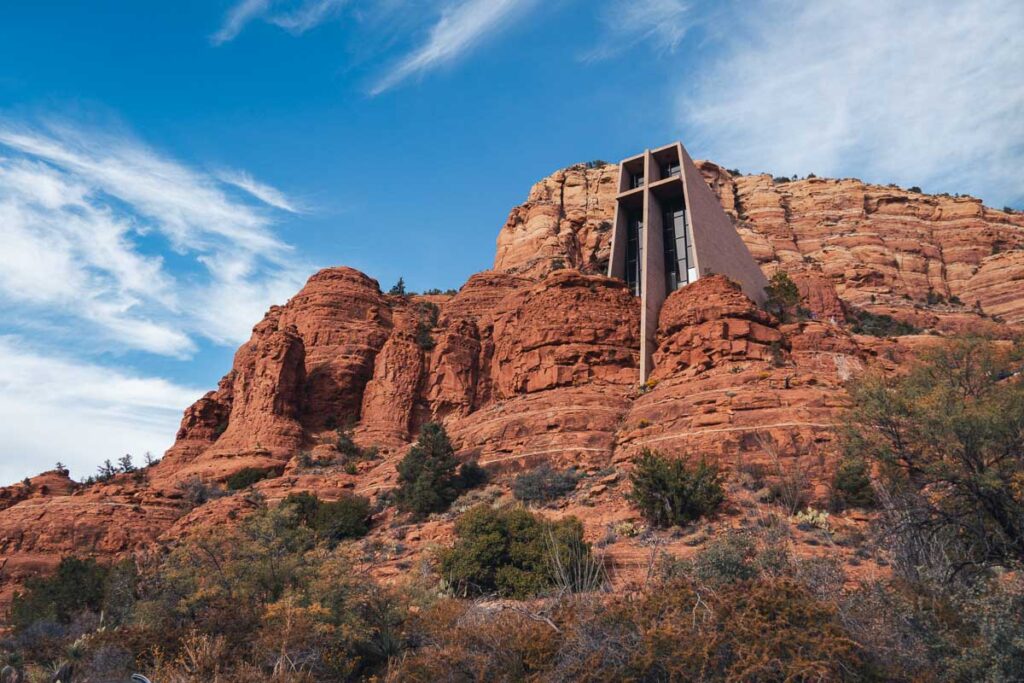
[(717, 246)]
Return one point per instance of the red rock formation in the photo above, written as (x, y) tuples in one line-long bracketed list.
[(343, 320), (46, 485), (875, 243), (566, 330), (391, 395), (536, 362), (565, 223)]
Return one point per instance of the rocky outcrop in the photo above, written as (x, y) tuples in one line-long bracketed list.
[(537, 362), (733, 385), (343, 321), (119, 518), (263, 429), (568, 329), (565, 223), (46, 485), (876, 244)]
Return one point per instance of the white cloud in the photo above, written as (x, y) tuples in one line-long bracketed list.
[(461, 26), (57, 408), (308, 15), (658, 24), (90, 220), (261, 191), (906, 91), (296, 17), (237, 17)]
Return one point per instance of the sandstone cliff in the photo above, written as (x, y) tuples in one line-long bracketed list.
[(536, 361)]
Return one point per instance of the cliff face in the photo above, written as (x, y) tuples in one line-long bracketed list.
[(537, 360), (877, 245)]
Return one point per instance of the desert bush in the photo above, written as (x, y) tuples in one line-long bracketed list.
[(728, 559), (669, 491), (78, 585), (347, 517), (770, 629), (782, 295), (949, 443), (427, 317), (333, 521), (429, 475), (790, 483), (851, 484), (195, 491), (512, 553), (463, 641), (544, 484), (878, 324), (246, 477)]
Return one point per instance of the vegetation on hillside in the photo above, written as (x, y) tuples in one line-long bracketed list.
[(430, 477), (284, 594)]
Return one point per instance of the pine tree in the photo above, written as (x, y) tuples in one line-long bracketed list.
[(428, 473), (398, 289), (125, 464)]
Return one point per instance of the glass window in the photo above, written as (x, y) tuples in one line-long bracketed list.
[(636, 180), (670, 169), (678, 250), (634, 253)]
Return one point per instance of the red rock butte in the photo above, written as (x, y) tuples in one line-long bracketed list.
[(537, 361)]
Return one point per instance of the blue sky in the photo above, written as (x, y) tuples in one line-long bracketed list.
[(168, 170)]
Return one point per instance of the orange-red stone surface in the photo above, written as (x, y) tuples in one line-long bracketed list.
[(537, 361)]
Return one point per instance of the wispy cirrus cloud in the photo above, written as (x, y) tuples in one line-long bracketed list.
[(89, 221), (659, 24), (449, 28), (267, 194), (906, 91), (100, 410), (461, 26), (295, 17)]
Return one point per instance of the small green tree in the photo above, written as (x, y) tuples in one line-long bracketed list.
[(669, 491), (509, 552), (333, 521), (851, 484), (398, 289), (125, 464), (783, 295), (246, 477), (949, 441), (429, 477), (544, 484), (77, 586)]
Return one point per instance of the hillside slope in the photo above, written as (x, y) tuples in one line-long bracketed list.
[(536, 361)]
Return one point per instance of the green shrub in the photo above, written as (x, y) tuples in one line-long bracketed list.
[(350, 451), (512, 552), (669, 491), (544, 484), (427, 317), (77, 586), (347, 517), (947, 440), (851, 484), (244, 478), (782, 295), (429, 474), (727, 559), (333, 521), (878, 324)]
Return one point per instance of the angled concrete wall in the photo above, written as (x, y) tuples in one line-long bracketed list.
[(717, 246)]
